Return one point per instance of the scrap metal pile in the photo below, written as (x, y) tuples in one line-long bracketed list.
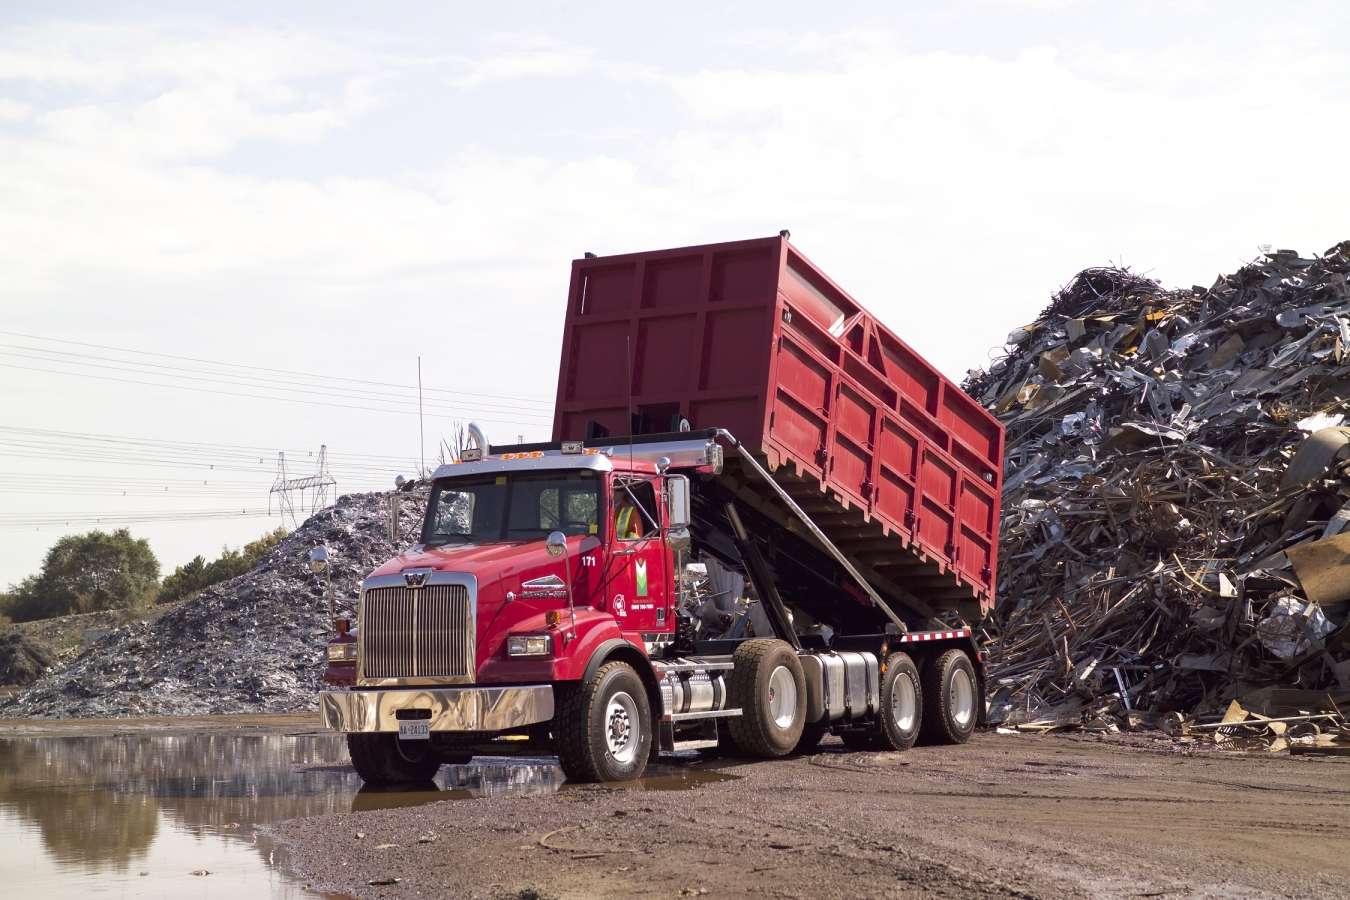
[(251, 644), (1176, 527)]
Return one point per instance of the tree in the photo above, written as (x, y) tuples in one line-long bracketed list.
[(86, 573), (198, 575)]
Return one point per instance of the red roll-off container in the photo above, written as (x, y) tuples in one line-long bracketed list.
[(750, 336)]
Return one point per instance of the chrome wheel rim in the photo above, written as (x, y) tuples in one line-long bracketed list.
[(904, 703), (623, 729), (961, 698), (782, 697)]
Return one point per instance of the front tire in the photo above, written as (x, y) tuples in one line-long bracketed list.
[(603, 729), (382, 759), (769, 686), (951, 696)]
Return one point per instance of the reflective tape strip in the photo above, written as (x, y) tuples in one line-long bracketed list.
[(915, 637)]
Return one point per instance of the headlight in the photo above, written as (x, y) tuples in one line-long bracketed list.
[(529, 645), (344, 652)]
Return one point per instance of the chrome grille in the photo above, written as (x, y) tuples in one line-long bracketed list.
[(417, 632)]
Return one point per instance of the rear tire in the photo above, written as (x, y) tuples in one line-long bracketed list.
[(901, 715), (603, 729), (951, 696), (768, 685), (382, 759)]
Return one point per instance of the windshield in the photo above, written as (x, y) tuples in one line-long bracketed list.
[(526, 506)]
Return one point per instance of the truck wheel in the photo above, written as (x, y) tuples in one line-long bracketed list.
[(603, 728), (769, 687), (382, 759), (901, 713), (951, 694)]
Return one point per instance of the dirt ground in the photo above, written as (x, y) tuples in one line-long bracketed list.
[(1005, 816)]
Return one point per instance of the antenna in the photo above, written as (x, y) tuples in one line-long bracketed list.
[(628, 355), (421, 430)]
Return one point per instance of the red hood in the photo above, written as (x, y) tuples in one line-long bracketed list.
[(487, 562)]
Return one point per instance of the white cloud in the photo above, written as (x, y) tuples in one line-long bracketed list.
[(513, 56), (13, 110)]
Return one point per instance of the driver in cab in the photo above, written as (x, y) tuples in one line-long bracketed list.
[(627, 518)]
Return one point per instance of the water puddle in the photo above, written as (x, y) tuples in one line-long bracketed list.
[(180, 815)]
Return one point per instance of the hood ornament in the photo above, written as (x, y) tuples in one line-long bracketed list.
[(416, 578)]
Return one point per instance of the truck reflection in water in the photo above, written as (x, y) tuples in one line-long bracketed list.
[(139, 814)]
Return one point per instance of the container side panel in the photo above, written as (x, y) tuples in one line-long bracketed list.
[(895, 497), (977, 506), (938, 480), (852, 457), (975, 559), (598, 363), (664, 347), (731, 353), (607, 289), (800, 375), (747, 276), (915, 379), (850, 472), (800, 431), (970, 424), (674, 282), (935, 528), (899, 448)]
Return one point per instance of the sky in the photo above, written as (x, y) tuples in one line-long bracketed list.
[(230, 230)]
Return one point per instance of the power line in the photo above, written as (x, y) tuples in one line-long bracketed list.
[(85, 519), (250, 381), (306, 390), (109, 378), (38, 337), (129, 439)]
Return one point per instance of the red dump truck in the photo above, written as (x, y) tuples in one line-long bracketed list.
[(762, 519)]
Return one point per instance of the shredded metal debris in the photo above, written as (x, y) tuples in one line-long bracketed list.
[(1176, 527), (251, 644)]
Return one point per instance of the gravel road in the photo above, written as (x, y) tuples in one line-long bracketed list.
[(1005, 816)]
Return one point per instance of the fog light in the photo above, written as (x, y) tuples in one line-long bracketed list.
[(344, 652), (529, 645)]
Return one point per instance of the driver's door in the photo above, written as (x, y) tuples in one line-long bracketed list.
[(637, 591)]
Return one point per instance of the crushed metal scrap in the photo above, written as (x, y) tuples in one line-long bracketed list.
[(251, 644), (1176, 529)]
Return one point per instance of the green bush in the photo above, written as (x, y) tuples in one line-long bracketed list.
[(87, 573), (198, 574)]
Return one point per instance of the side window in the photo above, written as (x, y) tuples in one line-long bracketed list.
[(635, 521)]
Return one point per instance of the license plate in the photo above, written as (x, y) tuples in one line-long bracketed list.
[(414, 729)]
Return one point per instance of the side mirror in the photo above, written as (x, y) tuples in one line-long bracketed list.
[(556, 544), (679, 540), (318, 560), (677, 501)]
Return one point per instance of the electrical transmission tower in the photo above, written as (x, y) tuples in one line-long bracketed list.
[(314, 488)]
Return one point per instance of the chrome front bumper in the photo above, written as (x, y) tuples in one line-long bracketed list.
[(452, 709)]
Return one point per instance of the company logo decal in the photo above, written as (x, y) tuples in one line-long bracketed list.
[(618, 604), (544, 587), (641, 571)]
